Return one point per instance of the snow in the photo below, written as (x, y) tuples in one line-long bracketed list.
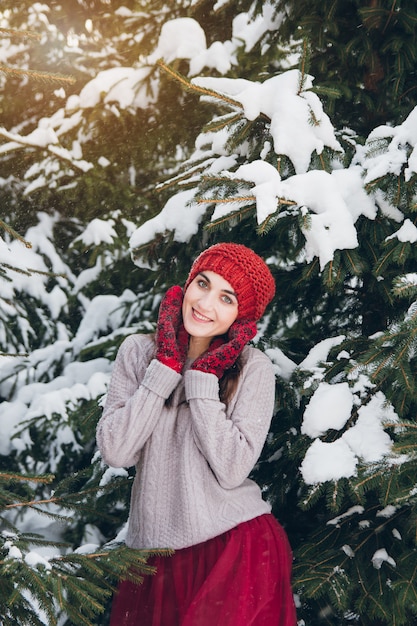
[(328, 462), (117, 84), (13, 551), (34, 559), (381, 556), (331, 223), (365, 441), (289, 107), (219, 56), (367, 438), (407, 232), (331, 203), (182, 38), (30, 274), (78, 381), (112, 472), (250, 29), (348, 551), (283, 366), (104, 312), (332, 216), (40, 137), (349, 183), (402, 137), (353, 510), (387, 511), (329, 408), (98, 231), (11, 415), (87, 548), (176, 216), (319, 353), (388, 209)]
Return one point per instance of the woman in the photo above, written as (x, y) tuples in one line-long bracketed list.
[(191, 408)]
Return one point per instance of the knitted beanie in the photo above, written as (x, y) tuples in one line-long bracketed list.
[(247, 273)]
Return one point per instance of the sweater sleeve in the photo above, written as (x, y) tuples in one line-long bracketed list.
[(136, 396), (232, 444)]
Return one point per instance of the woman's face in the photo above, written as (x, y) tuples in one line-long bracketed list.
[(210, 306)]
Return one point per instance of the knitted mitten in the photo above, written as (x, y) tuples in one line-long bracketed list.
[(221, 356), (171, 338)]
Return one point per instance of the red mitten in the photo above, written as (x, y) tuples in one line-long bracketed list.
[(171, 338), (221, 357)]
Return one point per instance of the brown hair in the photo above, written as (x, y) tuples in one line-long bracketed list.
[(229, 381)]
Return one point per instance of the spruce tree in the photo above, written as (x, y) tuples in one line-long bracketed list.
[(340, 331), (347, 323), (76, 181), (62, 509)]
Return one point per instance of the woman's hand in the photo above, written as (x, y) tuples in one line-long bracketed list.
[(171, 338), (222, 354)]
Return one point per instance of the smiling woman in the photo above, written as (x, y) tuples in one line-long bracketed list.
[(191, 408)]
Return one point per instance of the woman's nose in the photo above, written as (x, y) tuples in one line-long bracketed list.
[(206, 302)]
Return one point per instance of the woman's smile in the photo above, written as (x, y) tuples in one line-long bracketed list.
[(199, 317)]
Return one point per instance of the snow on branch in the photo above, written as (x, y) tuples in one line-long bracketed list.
[(42, 138)]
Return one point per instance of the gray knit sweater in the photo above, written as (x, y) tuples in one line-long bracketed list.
[(192, 457)]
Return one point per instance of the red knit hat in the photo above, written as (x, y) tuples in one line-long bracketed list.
[(247, 273)]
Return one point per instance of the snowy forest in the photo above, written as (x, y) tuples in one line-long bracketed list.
[(134, 134)]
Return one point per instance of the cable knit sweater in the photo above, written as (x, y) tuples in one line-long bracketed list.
[(192, 457)]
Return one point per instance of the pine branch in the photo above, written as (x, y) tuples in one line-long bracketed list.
[(220, 224), (202, 91), (222, 122), (13, 268), (239, 213), (268, 224), (237, 200), (383, 262), (180, 178), (303, 66), (354, 262), (14, 234), (44, 77), (20, 33), (44, 273), (8, 477), (77, 584)]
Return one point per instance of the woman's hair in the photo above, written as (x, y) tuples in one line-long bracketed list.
[(228, 382)]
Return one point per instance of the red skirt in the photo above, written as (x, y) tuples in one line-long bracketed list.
[(241, 578)]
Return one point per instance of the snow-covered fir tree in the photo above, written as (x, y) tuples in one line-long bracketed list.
[(286, 126)]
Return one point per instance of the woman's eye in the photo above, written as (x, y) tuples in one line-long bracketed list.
[(227, 300), (202, 283)]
